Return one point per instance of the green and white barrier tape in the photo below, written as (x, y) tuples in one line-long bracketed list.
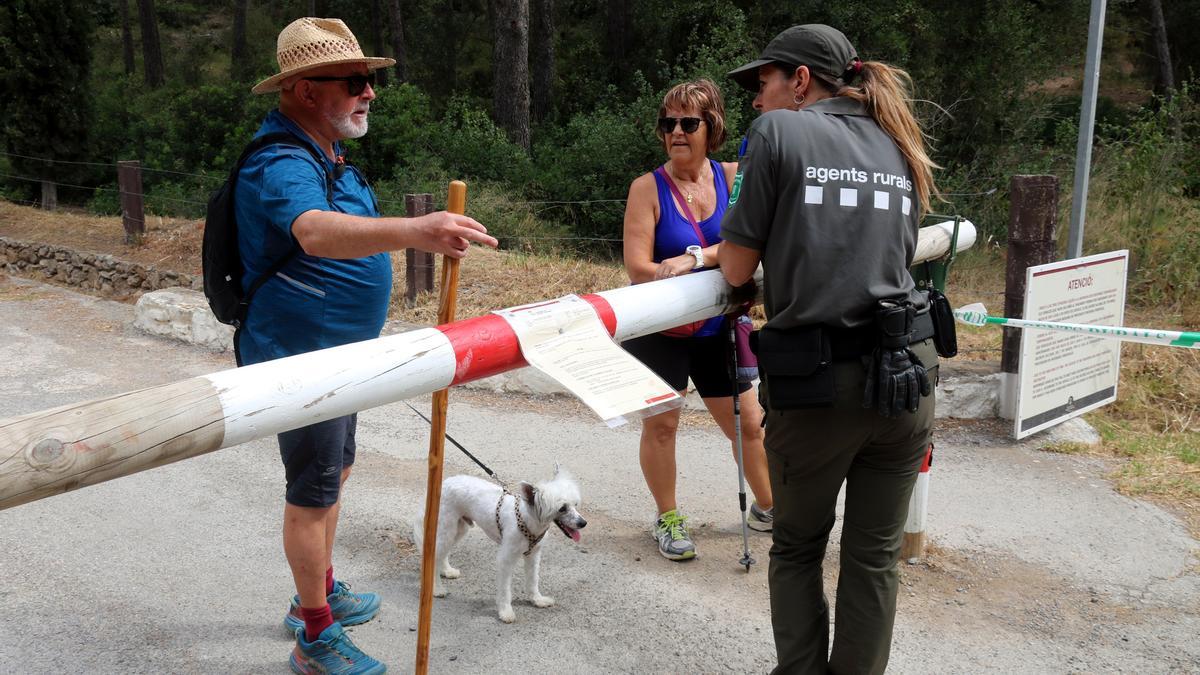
[(976, 315)]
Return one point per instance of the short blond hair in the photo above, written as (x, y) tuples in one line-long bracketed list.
[(703, 95)]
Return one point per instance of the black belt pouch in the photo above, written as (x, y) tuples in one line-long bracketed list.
[(945, 339), (796, 366)]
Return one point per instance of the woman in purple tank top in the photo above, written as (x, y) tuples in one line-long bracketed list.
[(672, 224)]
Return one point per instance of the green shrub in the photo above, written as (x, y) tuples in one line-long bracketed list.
[(1137, 200)]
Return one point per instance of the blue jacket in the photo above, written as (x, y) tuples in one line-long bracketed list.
[(312, 303)]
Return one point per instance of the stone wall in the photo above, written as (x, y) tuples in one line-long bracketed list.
[(90, 271)]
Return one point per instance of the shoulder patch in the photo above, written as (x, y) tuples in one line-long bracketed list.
[(737, 187)]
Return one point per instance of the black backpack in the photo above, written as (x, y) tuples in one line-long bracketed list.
[(222, 260)]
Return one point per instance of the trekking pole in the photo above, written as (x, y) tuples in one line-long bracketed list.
[(746, 560), (456, 203)]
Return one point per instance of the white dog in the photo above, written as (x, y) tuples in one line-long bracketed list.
[(517, 523)]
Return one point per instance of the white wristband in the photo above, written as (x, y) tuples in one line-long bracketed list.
[(698, 254)]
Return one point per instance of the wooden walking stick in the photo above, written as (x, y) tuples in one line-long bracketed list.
[(456, 203)]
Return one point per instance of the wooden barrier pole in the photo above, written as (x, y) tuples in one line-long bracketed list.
[(54, 451), (437, 440)]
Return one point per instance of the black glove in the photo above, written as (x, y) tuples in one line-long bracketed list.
[(742, 298), (896, 378)]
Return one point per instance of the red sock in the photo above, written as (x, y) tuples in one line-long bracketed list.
[(329, 580), (316, 620)]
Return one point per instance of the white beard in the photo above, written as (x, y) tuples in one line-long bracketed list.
[(346, 126)]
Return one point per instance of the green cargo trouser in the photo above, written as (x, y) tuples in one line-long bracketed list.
[(809, 453)]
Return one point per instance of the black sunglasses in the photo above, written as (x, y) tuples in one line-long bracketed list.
[(689, 124), (355, 84)]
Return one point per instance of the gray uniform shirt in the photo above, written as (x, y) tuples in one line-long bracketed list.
[(827, 198)]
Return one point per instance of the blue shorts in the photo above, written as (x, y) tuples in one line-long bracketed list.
[(704, 359), (313, 459)]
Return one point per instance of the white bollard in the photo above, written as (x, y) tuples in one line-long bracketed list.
[(913, 547)]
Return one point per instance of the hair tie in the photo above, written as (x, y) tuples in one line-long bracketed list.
[(856, 66)]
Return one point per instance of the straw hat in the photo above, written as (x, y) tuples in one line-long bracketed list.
[(311, 43)]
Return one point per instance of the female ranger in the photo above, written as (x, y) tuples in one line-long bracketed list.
[(827, 196)]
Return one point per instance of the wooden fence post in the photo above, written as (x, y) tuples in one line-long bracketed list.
[(418, 265), (133, 213), (1032, 231), (49, 195)]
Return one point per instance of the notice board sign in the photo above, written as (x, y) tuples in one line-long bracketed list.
[(1063, 375)]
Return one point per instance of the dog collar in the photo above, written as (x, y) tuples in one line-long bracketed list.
[(533, 541)]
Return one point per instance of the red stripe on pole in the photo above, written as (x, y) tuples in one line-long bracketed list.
[(928, 459), (486, 345), (483, 346), (604, 310)]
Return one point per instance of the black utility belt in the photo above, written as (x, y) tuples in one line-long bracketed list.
[(849, 344), (796, 365)]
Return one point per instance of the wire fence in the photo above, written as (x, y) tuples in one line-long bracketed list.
[(157, 199)]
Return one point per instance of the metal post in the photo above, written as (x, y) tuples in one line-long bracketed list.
[(418, 265), (1087, 122), (133, 213), (1032, 228)]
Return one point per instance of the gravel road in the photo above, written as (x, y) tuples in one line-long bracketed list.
[(1036, 564)]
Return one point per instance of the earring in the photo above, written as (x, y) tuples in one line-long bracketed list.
[(798, 101)]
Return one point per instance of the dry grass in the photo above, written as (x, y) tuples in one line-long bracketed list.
[(169, 243), (1153, 429), (497, 279)]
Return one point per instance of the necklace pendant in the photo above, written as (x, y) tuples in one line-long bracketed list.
[(689, 198)]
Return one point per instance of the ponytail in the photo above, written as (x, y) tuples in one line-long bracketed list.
[(884, 90)]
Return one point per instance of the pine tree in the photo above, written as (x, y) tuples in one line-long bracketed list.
[(44, 61)]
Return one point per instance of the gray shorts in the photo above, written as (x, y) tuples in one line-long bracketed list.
[(313, 459)]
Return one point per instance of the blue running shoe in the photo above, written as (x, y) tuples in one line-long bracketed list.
[(349, 609), (332, 654)]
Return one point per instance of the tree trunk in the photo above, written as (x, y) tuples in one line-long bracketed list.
[(378, 45), (542, 58), (396, 29), (151, 51), (510, 68), (1162, 49), (237, 57), (619, 25), (126, 37)]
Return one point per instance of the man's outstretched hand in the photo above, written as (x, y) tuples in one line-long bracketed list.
[(450, 234)]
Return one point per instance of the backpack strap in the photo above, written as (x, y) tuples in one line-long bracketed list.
[(274, 138)]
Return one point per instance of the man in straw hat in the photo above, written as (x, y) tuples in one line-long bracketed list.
[(298, 202)]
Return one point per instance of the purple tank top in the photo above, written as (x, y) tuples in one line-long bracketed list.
[(673, 233)]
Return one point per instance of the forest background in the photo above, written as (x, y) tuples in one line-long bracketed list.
[(547, 108)]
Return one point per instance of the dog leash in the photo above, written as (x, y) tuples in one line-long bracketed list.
[(533, 541), (489, 472)]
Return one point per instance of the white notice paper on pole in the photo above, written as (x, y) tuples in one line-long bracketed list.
[(566, 340)]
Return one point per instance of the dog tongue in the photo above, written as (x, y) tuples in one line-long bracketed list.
[(573, 534)]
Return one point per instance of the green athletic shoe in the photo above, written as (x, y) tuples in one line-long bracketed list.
[(760, 520), (671, 533), (333, 653), (349, 609)]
